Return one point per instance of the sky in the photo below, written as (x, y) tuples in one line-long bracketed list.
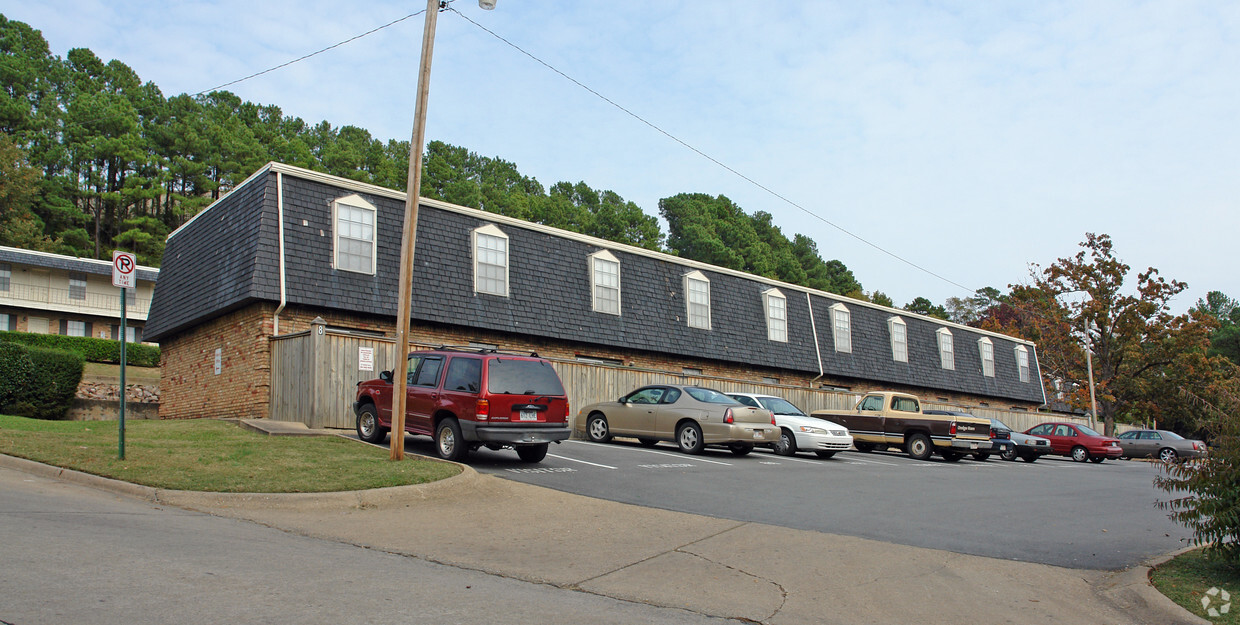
[(933, 147)]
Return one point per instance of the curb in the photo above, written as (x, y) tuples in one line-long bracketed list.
[(1131, 591), (199, 500)]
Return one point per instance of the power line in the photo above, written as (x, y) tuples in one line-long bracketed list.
[(707, 156), (302, 58)]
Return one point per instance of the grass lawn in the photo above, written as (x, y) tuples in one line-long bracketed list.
[(1188, 577), (213, 456), (112, 373)]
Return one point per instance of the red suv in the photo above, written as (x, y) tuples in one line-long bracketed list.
[(1078, 441), (466, 399)]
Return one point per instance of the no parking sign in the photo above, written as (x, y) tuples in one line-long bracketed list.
[(124, 266)]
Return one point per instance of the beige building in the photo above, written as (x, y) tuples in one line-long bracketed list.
[(54, 294)]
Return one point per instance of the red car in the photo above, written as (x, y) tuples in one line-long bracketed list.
[(468, 398), (1078, 442)]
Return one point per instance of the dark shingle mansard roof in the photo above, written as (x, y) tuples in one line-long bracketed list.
[(15, 256), (228, 256)]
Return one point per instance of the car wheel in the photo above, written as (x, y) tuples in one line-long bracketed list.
[(864, 448), (919, 446), (1080, 454), (532, 453), (1029, 457), (981, 456), (1167, 455), (825, 454), (648, 442), (368, 428), (448, 442), (689, 438), (787, 444), (1009, 453), (740, 449), (597, 428), (952, 456), (1096, 459)]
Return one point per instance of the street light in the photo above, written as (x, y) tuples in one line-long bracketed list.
[(409, 231)]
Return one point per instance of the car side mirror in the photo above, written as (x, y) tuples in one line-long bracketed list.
[(622, 401), (386, 376)]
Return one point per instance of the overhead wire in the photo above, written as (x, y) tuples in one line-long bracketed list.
[(707, 156), (447, 7)]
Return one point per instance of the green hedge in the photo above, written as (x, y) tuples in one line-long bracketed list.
[(38, 382), (91, 349)]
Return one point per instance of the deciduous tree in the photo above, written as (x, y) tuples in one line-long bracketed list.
[(1144, 357)]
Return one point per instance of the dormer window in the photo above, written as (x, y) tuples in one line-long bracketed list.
[(947, 353), (697, 300), (490, 261), (1022, 362), (776, 306), (987, 351), (354, 234), (605, 277), (841, 328), (899, 339)]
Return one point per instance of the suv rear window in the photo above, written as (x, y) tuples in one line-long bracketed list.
[(506, 376)]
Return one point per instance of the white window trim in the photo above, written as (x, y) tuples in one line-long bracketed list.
[(843, 341), (899, 350), (354, 201), (986, 348), (606, 257), (1022, 363), (493, 231), (776, 326), (947, 348), (74, 327), (696, 276)]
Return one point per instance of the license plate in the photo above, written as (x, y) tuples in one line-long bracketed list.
[(529, 415), (757, 433), (972, 445)]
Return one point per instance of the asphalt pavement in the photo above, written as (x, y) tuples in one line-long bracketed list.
[(706, 566)]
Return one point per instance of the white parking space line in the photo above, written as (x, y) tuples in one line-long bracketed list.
[(868, 461), (680, 455), (779, 459), (581, 461), (654, 451)]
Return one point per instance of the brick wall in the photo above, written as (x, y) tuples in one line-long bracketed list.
[(188, 383), (191, 389)]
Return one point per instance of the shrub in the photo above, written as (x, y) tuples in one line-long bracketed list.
[(15, 371), (1211, 504), (37, 382), (91, 349)]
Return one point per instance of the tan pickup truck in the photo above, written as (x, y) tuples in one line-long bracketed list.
[(888, 419)]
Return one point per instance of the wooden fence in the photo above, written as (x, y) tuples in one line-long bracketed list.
[(314, 376)]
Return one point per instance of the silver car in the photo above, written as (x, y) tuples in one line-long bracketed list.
[(691, 416), (1162, 444)]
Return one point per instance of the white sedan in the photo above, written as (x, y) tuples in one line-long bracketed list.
[(798, 431)]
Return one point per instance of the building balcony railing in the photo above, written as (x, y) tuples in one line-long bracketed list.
[(71, 300)]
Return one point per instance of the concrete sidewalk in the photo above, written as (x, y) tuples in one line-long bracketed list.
[(706, 565)]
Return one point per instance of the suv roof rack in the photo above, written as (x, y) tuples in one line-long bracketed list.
[(483, 350)]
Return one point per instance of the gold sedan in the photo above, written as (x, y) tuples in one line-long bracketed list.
[(691, 416)]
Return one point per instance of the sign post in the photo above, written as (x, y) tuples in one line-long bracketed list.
[(123, 269)]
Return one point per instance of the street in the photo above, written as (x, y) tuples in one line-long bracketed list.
[(70, 554)]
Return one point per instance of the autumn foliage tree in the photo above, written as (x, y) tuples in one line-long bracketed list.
[(1144, 357)]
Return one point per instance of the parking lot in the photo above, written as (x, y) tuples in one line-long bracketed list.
[(1053, 511)]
